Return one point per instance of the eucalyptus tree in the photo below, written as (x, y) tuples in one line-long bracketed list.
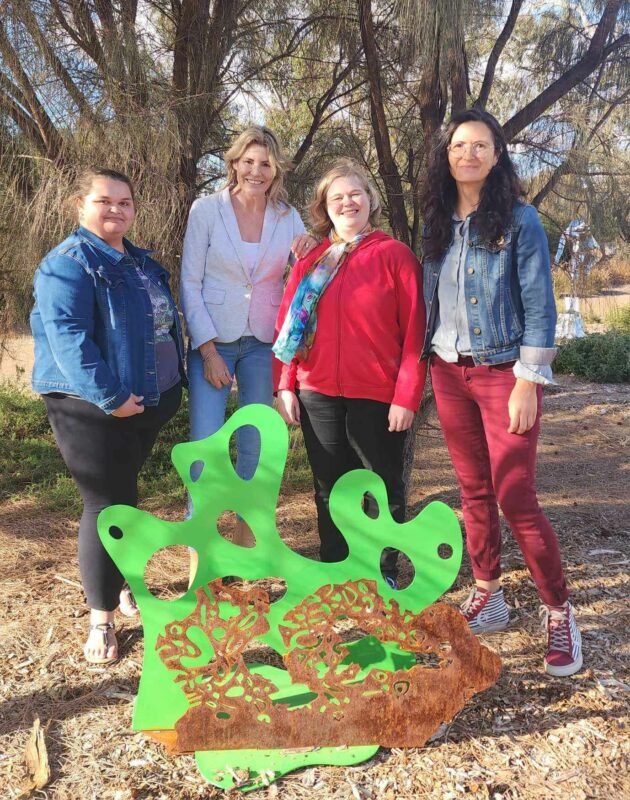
[(150, 87)]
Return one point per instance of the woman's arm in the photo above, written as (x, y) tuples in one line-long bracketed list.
[(284, 375), (303, 242), (196, 243), (537, 347), (534, 277), (412, 319), (65, 300)]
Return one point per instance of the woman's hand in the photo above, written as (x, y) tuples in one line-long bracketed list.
[(303, 244), (522, 406), (215, 369), (132, 405), (400, 419), (288, 406)]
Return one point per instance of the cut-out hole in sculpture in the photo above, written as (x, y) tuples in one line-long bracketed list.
[(404, 565), (275, 587), (406, 571), (196, 468), (258, 653), (445, 551), (115, 532), (428, 660), (167, 572), (246, 442), (348, 630), (235, 530), (370, 506)]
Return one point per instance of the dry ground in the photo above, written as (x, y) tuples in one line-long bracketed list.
[(530, 736)]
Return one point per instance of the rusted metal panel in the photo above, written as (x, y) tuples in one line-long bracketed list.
[(232, 708)]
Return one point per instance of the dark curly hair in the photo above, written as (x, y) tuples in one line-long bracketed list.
[(500, 190)]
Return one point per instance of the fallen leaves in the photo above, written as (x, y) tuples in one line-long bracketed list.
[(36, 756)]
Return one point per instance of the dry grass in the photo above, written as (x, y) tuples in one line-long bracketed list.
[(607, 276), (143, 146), (530, 736)]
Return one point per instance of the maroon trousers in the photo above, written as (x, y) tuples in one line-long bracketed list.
[(494, 466)]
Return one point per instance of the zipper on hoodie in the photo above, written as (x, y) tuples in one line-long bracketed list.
[(342, 279)]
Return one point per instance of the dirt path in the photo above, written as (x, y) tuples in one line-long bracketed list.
[(16, 363), (604, 303), (530, 736)]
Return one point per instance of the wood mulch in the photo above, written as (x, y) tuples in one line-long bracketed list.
[(530, 736)]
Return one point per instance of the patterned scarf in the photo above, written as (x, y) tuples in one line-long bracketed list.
[(300, 324)]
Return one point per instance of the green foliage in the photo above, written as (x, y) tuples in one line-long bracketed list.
[(31, 465), (619, 319), (599, 357)]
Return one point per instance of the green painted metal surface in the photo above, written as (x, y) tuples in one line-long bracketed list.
[(132, 537)]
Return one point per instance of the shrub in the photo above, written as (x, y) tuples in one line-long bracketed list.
[(599, 357), (31, 465), (619, 319)]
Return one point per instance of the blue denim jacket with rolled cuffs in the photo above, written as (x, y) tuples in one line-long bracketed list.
[(93, 325), (510, 308)]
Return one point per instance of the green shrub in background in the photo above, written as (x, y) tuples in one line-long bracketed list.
[(599, 357), (619, 319), (31, 466)]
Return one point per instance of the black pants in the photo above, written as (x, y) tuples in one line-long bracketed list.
[(342, 434), (104, 455)]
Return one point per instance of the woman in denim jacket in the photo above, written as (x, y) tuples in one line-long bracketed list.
[(108, 363), (490, 336)]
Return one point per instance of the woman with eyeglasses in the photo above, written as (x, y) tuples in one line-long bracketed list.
[(347, 352), (490, 340)]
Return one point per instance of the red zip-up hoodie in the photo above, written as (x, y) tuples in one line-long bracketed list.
[(370, 326)]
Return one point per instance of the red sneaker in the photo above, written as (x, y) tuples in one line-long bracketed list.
[(564, 643), (485, 610)]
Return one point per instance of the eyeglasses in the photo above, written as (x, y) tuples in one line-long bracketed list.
[(478, 149)]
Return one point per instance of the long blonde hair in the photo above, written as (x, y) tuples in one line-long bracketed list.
[(259, 134), (347, 168)]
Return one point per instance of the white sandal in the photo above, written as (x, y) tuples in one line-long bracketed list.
[(104, 629), (126, 603)]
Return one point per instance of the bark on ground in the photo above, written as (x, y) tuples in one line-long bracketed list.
[(530, 736)]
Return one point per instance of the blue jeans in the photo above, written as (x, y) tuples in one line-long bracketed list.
[(249, 361)]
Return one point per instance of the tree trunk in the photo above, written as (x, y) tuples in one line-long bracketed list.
[(388, 168)]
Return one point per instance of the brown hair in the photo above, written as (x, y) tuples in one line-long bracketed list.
[(83, 183), (265, 137), (347, 168)]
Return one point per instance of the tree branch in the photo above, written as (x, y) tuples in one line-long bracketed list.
[(495, 54), (594, 56), (53, 59), (49, 135)]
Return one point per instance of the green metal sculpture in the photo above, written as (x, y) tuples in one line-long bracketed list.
[(333, 701)]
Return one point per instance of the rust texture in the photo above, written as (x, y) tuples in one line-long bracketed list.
[(231, 708)]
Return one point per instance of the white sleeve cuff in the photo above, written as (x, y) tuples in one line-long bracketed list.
[(537, 355), (536, 373)]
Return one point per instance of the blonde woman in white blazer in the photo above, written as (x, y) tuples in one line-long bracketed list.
[(237, 245)]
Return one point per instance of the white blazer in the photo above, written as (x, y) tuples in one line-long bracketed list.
[(218, 295)]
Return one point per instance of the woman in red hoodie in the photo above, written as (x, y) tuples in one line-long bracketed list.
[(349, 338)]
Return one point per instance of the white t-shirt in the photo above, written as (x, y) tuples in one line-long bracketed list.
[(251, 256)]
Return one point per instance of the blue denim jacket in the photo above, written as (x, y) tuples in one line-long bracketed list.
[(93, 323), (508, 291)]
